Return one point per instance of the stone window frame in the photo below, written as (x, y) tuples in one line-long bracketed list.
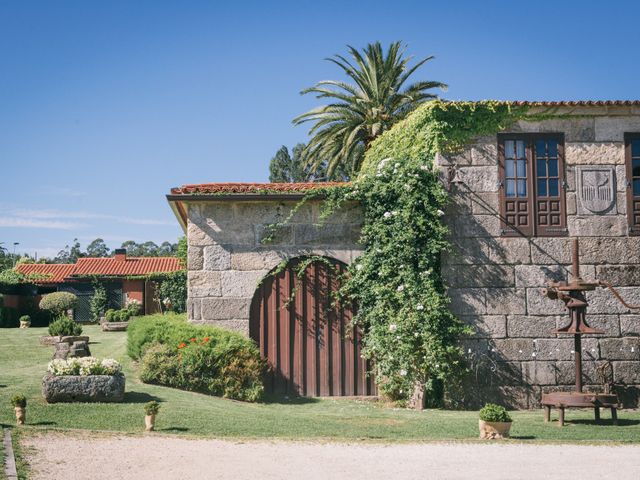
[(528, 208), (633, 201)]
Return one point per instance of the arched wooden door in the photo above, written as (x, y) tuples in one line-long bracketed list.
[(310, 347)]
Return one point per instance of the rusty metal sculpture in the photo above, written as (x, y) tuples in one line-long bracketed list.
[(573, 295)]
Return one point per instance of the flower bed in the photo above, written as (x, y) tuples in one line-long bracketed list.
[(83, 380)]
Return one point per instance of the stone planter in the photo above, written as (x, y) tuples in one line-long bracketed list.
[(25, 324), (494, 430), (49, 340), (21, 415), (114, 326), (149, 423), (83, 388)]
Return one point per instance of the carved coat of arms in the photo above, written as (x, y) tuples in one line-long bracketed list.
[(596, 189)]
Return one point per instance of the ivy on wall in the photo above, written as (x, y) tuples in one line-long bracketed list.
[(409, 330)]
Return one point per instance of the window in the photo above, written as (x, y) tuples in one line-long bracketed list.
[(532, 199), (632, 155)]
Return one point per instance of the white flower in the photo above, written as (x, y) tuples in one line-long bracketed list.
[(403, 372), (416, 334), (394, 213), (400, 288), (378, 174), (440, 213), (424, 168), (396, 165), (393, 327), (387, 214), (420, 307), (383, 163), (359, 267)]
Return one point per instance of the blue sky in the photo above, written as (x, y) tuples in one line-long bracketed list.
[(106, 105)]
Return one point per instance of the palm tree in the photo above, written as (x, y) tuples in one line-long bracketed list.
[(343, 130)]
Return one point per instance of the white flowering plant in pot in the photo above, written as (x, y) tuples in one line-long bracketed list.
[(84, 366)]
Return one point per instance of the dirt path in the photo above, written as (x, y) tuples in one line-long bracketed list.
[(54, 456)]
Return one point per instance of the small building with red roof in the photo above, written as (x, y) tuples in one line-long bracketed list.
[(125, 278)]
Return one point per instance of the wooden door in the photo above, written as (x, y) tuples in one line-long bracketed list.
[(305, 336)]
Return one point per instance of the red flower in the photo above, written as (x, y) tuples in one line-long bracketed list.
[(182, 345), (205, 339), (193, 340)]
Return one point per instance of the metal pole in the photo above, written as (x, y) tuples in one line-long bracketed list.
[(577, 345), (575, 257)]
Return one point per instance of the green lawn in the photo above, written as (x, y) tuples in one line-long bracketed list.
[(23, 362)]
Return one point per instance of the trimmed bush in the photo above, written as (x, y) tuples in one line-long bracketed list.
[(494, 413), (196, 358), (58, 302), (65, 327)]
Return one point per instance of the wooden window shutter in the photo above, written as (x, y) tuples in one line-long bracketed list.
[(632, 161), (548, 166), (516, 193)]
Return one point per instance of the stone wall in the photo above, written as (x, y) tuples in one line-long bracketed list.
[(495, 282), (227, 257)]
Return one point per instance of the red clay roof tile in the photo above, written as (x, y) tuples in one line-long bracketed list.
[(55, 272), (101, 267), (255, 188)]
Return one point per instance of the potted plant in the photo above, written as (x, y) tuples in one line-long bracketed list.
[(19, 403), (25, 321), (151, 410), (494, 422)]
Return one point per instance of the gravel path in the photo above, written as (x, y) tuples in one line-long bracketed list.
[(54, 456)]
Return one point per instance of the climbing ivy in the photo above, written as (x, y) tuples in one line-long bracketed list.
[(409, 330)]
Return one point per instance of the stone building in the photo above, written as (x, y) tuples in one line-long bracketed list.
[(518, 197)]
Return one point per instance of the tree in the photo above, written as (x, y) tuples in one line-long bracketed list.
[(359, 113), (69, 254), (286, 168), (149, 249), (97, 248)]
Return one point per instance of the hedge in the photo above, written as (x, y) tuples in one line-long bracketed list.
[(196, 357)]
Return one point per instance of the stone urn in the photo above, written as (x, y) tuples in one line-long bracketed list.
[(25, 323), (150, 422), (494, 430), (21, 415)]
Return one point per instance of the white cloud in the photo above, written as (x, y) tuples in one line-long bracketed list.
[(17, 222), (27, 215)]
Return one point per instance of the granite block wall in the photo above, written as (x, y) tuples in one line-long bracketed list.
[(496, 282)]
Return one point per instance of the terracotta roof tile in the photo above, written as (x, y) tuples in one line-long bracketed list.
[(101, 267), (254, 188), (576, 102), (56, 272), (130, 266)]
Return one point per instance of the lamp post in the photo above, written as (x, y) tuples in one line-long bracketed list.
[(14, 252)]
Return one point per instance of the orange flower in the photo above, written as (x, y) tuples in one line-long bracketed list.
[(205, 339), (182, 345), (193, 340)]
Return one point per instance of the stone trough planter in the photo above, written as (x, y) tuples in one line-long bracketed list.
[(52, 340), (114, 326), (83, 388)]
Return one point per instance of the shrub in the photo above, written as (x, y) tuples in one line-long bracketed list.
[(122, 315), (25, 318), (109, 315), (151, 408), (98, 301), (84, 366), (64, 326), (133, 307), (19, 400), (58, 302), (196, 358), (494, 413)]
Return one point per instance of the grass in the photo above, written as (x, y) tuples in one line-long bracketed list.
[(24, 362)]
